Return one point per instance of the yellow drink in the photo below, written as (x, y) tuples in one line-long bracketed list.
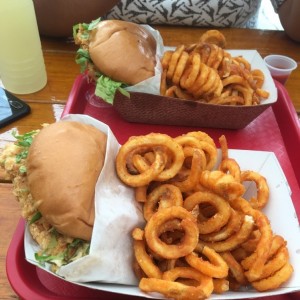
[(22, 67)]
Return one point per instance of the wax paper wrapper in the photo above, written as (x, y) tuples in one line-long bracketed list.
[(116, 214), (152, 84)]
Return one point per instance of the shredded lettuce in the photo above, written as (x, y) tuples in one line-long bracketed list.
[(24, 141), (74, 250), (43, 258), (94, 24), (35, 217), (86, 28), (106, 88), (83, 59)]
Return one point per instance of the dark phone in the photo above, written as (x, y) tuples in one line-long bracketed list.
[(18, 108)]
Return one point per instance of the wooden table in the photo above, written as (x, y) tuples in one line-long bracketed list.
[(62, 70)]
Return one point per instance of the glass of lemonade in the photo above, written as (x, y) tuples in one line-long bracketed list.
[(22, 67)]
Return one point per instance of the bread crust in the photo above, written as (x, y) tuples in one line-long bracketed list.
[(123, 51), (63, 165)]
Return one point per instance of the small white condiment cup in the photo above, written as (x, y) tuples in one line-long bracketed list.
[(280, 66)]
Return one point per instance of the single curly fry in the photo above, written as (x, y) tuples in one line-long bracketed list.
[(222, 184), (234, 240), (144, 178), (262, 93), (165, 195), (144, 260), (215, 57), (188, 224), (140, 193), (217, 220), (166, 59), (209, 149), (202, 136), (232, 226), (230, 166), (259, 77), (201, 79), (197, 166), (163, 83), (215, 267), (263, 192), (235, 79), (176, 92), (180, 67), (276, 280), (276, 263), (170, 288), (190, 74), (221, 285), (235, 268), (251, 244), (137, 234), (207, 78), (244, 63), (277, 242), (173, 61), (154, 142), (213, 36), (247, 93), (263, 247)]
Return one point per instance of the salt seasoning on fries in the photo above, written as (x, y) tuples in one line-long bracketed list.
[(201, 236), (206, 72)]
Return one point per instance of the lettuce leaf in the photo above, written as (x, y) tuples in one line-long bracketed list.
[(24, 141), (106, 89), (84, 29), (83, 59)]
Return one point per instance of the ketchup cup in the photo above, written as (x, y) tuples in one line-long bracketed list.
[(280, 66)]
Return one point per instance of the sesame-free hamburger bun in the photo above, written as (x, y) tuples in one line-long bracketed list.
[(63, 165), (123, 51)]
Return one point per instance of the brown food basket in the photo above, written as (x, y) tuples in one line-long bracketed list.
[(155, 109)]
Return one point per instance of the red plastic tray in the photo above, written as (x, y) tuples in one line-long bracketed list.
[(277, 130)]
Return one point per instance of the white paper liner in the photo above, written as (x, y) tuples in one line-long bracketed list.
[(108, 255), (152, 84)]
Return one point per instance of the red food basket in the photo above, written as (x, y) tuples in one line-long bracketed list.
[(277, 130)]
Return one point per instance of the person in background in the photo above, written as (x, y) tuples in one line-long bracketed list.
[(56, 17)]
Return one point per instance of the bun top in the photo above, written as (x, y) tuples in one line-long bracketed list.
[(63, 165), (123, 51)]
